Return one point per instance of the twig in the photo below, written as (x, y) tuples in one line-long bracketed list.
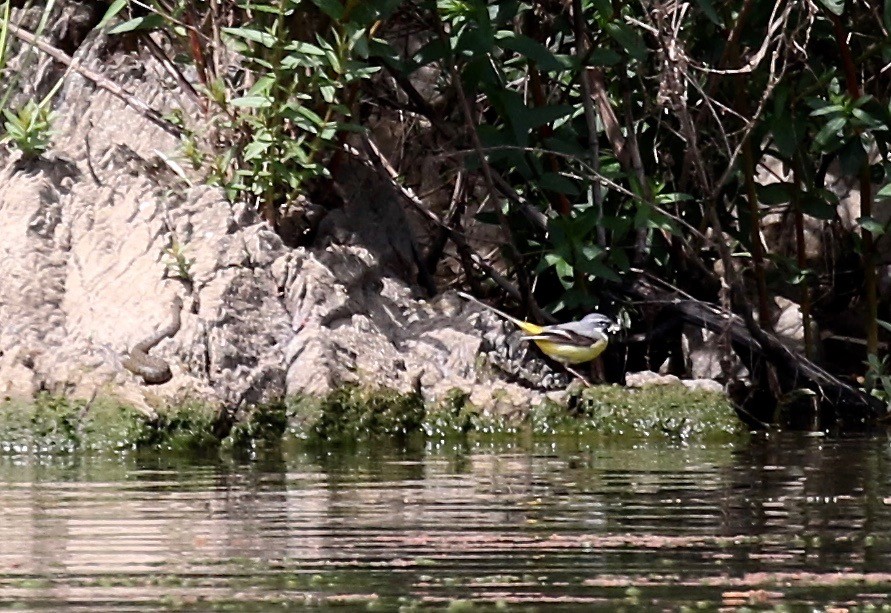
[(590, 114), (173, 71), (386, 170), (108, 85), (513, 252)]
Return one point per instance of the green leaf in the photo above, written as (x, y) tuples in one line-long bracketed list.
[(603, 57), (112, 12), (304, 48), (252, 102), (255, 149), (328, 93), (710, 12), (868, 120), (264, 38), (531, 49), (830, 130), (542, 115), (332, 8), (628, 37), (816, 206), (885, 192), (836, 7), (662, 222), (149, 22), (619, 259), (298, 60), (592, 252), (673, 197), (826, 110), (775, 193), (852, 156), (598, 269), (433, 51), (603, 7), (886, 15), (871, 224), (555, 182), (786, 134), (564, 269)]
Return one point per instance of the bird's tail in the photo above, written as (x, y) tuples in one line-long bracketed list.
[(519, 323)]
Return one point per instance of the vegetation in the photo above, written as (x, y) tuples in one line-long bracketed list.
[(29, 129), (702, 144), (54, 424)]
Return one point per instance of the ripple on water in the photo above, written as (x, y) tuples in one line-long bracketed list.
[(791, 521)]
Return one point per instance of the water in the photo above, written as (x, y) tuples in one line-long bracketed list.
[(781, 521)]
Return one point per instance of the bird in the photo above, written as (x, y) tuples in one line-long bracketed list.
[(570, 343)]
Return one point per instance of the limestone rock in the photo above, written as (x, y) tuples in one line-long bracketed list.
[(100, 234)]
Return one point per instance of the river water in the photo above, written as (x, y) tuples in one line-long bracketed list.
[(779, 522)]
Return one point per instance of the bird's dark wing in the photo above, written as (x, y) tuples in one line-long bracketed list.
[(572, 333)]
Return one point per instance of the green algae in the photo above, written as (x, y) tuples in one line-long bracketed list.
[(660, 412), (263, 426), (354, 413), (667, 411), (53, 424), (193, 427)]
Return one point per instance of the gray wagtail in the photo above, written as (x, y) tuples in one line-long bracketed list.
[(570, 343)]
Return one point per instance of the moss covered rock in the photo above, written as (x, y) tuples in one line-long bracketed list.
[(354, 413), (51, 424), (665, 411)]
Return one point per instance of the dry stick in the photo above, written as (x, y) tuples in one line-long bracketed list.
[(513, 251), (108, 85), (457, 206), (640, 243), (386, 171), (733, 39), (198, 54), (716, 319), (869, 256), (801, 255), (582, 51), (694, 156), (626, 149), (731, 281), (174, 71), (748, 158), (773, 79), (608, 115), (545, 131)]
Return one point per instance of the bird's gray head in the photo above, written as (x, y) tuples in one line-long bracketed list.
[(601, 322)]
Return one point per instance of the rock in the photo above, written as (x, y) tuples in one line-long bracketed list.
[(99, 235), (705, 354), (647, 378), (788, 325), (708, 385)]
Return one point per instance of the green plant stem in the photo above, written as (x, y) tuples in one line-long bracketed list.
[(512, 251), (748, 169), (4, 32), (801, 257), (869, 256)]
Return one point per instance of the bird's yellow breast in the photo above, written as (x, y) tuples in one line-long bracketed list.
[(571, 354)]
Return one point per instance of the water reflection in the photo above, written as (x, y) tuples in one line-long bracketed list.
[(787, 519)]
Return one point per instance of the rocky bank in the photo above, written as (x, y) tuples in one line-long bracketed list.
[(103, 231)]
